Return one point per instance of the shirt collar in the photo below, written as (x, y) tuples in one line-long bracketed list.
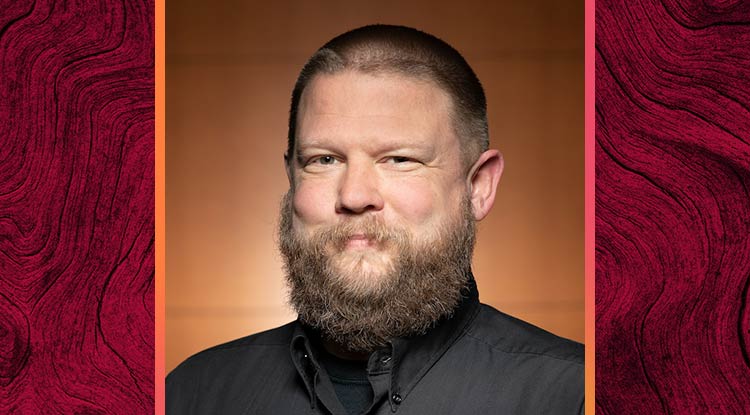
[(408, 359)]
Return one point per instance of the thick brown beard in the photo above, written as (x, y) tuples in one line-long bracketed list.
[(424, 283)]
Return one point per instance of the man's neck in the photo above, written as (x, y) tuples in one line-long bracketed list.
[(342, 352)]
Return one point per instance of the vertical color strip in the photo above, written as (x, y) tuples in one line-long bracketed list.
[(159, 338), (590, 211)]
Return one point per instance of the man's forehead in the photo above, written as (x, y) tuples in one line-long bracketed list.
[(393, 106), (346, 86)]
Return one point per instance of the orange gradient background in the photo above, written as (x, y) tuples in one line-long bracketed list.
[(230, 69)]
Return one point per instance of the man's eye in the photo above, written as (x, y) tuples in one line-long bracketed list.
[(398, 159), (324, 160)]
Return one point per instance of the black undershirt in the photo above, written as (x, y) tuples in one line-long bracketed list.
[(349, 378)]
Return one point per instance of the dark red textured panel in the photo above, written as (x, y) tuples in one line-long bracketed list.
[(76, 207), (672, 207)]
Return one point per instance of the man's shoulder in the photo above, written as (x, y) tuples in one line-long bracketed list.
[(258, 345), (526, 369), (216, 380), (507, 334), (279, 336)]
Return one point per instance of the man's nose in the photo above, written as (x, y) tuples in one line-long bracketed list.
[(359, 189)]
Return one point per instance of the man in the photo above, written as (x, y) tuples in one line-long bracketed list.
[(389, 170)]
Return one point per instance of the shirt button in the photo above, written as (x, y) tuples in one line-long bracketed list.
[(396, 398)]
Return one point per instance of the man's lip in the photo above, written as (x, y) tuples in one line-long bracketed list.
[(359, 241)]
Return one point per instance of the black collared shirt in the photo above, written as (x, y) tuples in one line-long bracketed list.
[(480, 361)]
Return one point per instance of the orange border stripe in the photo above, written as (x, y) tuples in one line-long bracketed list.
[(590, 214)]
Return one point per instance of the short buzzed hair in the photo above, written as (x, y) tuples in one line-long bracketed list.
[(410, 52)]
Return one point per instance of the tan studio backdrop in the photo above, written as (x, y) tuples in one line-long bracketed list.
[(231, 66)]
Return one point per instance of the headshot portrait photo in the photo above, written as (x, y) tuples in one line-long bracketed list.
[(347, 229)]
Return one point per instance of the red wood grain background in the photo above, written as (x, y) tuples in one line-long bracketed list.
[(76, 207), (672, 207), (77, 225)]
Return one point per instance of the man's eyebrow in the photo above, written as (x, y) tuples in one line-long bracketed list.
[(394, 145), (299, 148), (310, 142)]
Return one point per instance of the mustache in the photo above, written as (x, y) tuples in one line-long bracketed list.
[(371, 228)]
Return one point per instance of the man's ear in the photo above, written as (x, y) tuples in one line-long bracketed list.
[(482, 182)]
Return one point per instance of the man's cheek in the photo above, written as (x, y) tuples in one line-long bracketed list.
[(312, 204), (415, 204)]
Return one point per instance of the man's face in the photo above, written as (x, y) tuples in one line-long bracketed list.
[(374, 148), (377, 230)]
